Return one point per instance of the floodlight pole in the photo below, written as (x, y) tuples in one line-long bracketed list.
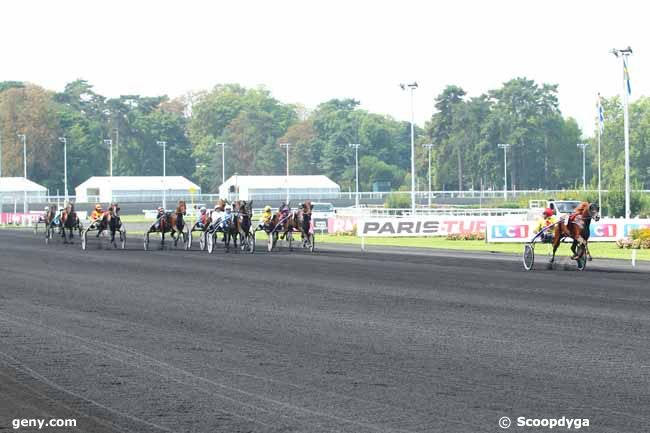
[(583, 146), (65, 167), (428, 146), (412, 88), (109, 143), (223, 162), (164, 146), (286, 146), (23, 137), (505, 147), (624, 54), (355, 146)]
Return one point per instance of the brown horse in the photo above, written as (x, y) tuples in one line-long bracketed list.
[(49, 215), (576, 227), (302, 217), (176, 222), (48, 220), (284, 222)]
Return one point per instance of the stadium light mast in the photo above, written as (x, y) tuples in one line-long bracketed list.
[(223, 162), (428, 146), (412, 87), (355, 146), (65, 167), (109, 143), (0, 155), (23, 137), (164, 146), (583, 146), (286, 146), (624, 54), (505, 147)]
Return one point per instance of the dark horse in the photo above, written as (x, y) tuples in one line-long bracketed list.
[(69, 222), (576, 228), (244, 223), (111, 221), (302, 217)]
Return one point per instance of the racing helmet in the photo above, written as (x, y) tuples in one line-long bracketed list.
[(228, 208), (98, 206), (160, 209), (548, 212), (267, 208), (203, 209), (47, 208)]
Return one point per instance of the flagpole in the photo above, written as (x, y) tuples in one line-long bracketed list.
[(624, 54), (626, 122), (600, 193), (599, 126)]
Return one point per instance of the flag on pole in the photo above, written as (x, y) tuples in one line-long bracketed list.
[(601, 115), (626, 76)]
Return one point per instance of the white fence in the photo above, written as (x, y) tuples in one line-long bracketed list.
[(439, 211)]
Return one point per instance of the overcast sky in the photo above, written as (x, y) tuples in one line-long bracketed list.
[(309, 51)]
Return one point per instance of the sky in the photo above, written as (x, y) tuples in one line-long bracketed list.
[(310, 51)]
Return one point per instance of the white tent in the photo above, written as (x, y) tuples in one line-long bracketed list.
[(134, 188), (14, 188), (275, 187)]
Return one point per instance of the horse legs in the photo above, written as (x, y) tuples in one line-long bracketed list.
[(580, 241), (556, 243)]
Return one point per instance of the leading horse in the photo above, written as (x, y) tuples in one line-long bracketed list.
[(576, 227), (176, 222), (111, 221), (69, 222), (302, 218)]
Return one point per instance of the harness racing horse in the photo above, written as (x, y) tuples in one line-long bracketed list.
[(576, 227), (112, 221), (177, 224), (49, 222), (303, 220), (218, 223), (283, 222), (230, 228), (170, 222), (244, 225), (69, 222)]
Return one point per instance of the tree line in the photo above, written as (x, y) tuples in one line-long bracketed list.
[(464, 133)]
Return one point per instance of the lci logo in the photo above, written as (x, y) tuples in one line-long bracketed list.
[(627, 228), (517, 231), (602, 230)]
